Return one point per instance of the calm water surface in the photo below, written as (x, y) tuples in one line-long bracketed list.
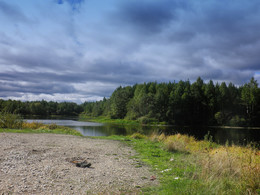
[(241, 136)]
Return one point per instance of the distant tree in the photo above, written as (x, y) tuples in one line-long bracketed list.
[(162, 101), (250, 97), (199, 111), (211, 101)]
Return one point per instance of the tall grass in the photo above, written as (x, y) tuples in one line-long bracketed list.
[(222, 169), (8, 120), (14, 123)]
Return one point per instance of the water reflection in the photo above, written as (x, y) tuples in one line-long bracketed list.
[(241, 136)]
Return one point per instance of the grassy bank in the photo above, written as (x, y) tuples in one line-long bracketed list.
[(184, 165), (13, 123), (41, 128), (104, 119)]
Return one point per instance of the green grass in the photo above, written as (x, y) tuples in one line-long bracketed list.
[(200, 168), (43, 129), (174, 175), (107, 120), (54, 131), (103, 119)]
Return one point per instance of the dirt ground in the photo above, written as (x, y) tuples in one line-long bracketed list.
[(51, 164)]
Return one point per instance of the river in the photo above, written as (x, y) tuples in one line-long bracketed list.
[(240, 136)]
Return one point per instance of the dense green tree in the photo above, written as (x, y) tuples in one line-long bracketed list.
[(119, 100), (162, 101), (199, 111), (250, 97), (42, 108), (211, 101)]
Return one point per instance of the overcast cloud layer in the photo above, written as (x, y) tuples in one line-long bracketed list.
[(81, 50)]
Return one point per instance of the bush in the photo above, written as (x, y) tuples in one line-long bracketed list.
[(220, 118), (11, 121), (146, 120), (237, 121), (177, 142)]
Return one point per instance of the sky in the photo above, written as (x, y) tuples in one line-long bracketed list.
[(82, 50)]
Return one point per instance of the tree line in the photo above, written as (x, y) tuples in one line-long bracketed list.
[(41, 108), (183, 103), (178, 103)]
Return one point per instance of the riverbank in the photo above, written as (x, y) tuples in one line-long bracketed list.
[(180, 163), (106, 120), (188, 166)]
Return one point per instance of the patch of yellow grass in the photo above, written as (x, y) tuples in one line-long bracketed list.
[(33, 125), (138, 136), (37, 125), (220, 166)]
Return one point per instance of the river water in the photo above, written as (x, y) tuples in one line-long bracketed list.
[(240, 136)]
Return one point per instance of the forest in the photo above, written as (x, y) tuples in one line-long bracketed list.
[(177, 103), (40, 108), (183, 103)]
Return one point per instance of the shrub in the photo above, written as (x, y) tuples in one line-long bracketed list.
[(237, 121), (178, 142), (12, 121), (220, 118), (146, 120)]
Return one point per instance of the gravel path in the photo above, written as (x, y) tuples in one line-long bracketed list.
[(45, 164)]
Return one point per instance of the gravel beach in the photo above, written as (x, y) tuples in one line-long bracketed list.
[(50, 164)]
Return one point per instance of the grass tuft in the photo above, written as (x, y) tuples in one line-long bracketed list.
[(9, 120), (138, 136)]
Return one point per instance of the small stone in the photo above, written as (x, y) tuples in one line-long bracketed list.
[(153, 178), (83, 164)]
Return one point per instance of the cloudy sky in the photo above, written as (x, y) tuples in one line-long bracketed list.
[(81, 50)]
